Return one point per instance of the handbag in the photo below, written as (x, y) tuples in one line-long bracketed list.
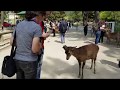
[(8, 65)]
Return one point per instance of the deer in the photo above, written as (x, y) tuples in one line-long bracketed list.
[(82, 54), (114, 36)]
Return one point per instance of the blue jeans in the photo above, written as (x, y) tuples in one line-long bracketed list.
[(63, 37), (98, 34), (39, 65)]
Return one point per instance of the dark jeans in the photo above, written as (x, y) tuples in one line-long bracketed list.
[(98, 34), (53, 32), (26, 70), (101, 37), (85, 32)]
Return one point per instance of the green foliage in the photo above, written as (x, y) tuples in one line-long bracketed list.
[(57, 15), (110, 15), (117, 27), (75, 15)]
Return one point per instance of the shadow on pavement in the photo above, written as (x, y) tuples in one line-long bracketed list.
[(112, 51), (76, 35), (89, 42), (57, 41), (55, 66), (109, 63)]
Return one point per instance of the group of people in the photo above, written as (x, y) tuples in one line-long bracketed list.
[(29, 42), (59, 26), (99, 33)]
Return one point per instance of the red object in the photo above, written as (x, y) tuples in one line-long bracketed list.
[(6, 24), (42, 26)]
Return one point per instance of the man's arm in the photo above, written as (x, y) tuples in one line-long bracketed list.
[(45, 35), (36, 45)]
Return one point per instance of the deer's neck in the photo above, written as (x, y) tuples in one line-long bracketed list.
[(75, 52)]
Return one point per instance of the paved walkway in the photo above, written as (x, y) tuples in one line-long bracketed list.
[(55, 65)]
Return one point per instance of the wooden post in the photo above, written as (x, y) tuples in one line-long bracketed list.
[(2, 17)]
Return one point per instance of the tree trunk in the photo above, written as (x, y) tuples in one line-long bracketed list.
[(96, 16), (85, 17), (2, 17)]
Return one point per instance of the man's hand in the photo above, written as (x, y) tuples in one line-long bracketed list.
[(50, 31), (45, 35)]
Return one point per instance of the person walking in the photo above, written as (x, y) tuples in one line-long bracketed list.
[(85, 29), (63, 29), (28, 37)]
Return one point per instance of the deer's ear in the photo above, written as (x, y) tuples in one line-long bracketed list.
[(64, 46)]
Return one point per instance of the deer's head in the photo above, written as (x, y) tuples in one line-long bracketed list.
[(68, 51)]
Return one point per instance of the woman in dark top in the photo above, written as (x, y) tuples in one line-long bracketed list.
[(85, 29)]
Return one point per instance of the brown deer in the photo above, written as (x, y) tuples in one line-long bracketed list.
[(114, 36), (82, 54)]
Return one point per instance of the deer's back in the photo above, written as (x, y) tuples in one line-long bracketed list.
[(87, 52), (112, 35)]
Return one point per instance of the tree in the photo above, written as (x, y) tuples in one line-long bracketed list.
[(85, 17), (57, 15), (2, 17), (75, 15), (96, 16), (110, 15)]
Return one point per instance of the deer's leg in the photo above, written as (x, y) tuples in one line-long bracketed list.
[(79, 70), (108, 40), (82, 69), (94, 65), (91, 64), (118, 43)]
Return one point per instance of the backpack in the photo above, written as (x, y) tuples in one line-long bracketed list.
[(63, 28)]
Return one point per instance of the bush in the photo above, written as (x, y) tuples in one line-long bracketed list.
[(76, 24), (117, 27)]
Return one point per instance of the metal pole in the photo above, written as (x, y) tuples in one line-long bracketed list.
[(113, 25)]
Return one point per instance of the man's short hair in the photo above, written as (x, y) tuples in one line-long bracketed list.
[(29, 15), (43, 13)]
